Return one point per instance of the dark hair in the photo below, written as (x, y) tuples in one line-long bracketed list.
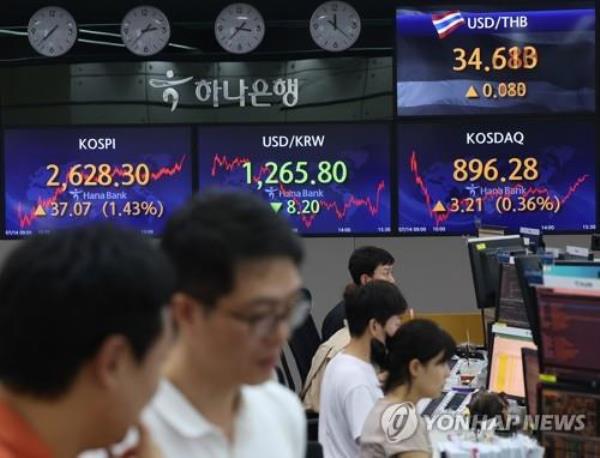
[(417, 339), (62, 295), (216, 230), (366, 259), (377, 300), (486, 405)]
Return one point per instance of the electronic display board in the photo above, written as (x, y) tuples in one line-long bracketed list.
[(327, 179), (472, 60), (454, 177), (60, 177)]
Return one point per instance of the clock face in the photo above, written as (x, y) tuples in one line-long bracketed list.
[(52, 31), (239, 28), (145, 30), (335, 26)]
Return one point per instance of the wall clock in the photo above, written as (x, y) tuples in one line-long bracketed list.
[(145, 30), (335, 26), (239, 28), (52, 31)]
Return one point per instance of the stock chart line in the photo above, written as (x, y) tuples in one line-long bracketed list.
[(221, 162), (26, 218), (573, 188), (442, 217), (341, 211)]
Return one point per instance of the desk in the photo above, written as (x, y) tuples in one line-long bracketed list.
[(519, 446), (457, 444), (476, 367)]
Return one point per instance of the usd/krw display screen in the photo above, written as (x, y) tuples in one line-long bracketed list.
[(57, 178), (326, 178), (539, 174), (470, 60)]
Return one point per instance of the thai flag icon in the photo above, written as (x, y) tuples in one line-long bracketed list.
[(446, 23)]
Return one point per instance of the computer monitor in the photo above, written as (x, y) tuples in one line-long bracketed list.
[(489, 336), (510, 308), (529, 273), (490, 231), (569, 327), (533, 239), (505, 372), (576, 253), (531, 375), (572, 274), (565, 403), (485, 266), (595, 243)]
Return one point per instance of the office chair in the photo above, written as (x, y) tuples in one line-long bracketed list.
[(314, 450), (286, 372), (304, 343)]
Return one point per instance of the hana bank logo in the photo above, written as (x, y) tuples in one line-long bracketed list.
[(399, 422), (170, 94), (446, 23), (258, 93)]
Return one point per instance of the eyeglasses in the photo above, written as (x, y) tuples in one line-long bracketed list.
[(265, 324)]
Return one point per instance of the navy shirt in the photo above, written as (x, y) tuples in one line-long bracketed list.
[(334, 321)]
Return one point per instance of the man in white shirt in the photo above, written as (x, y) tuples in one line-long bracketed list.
[(350, 387), (238, 296)]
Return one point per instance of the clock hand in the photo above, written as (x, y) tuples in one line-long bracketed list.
[(142, 32), (343, 33), (335, 21), (148, 28), (237, 30), (50, 33)]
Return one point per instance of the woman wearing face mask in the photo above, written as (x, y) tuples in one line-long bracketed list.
[(417, 368), (350, 387)]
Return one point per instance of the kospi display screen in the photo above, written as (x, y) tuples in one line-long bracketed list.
[(471, 60), (60, 177), (325, 178), (539, 174)]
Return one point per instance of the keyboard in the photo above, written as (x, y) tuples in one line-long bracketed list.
[(456, 401), (433, 404)]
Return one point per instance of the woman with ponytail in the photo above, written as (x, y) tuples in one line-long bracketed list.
[(416, 362)]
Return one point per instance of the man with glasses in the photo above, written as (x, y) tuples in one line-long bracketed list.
[(238, 296)]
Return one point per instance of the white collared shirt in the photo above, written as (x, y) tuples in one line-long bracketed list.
[(270, 424)]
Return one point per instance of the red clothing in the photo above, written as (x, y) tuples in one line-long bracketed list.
[(17, 438)]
